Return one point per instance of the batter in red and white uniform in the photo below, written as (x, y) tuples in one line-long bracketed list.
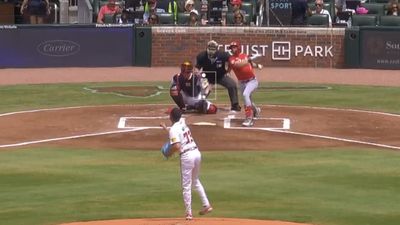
[(242, 66)]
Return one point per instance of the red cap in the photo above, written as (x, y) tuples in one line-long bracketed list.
[(236, 2), (234, 43)]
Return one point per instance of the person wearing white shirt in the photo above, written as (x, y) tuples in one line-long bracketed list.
[(319, 9)]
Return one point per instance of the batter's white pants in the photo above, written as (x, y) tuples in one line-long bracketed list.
[(190, 170), (247, 88)]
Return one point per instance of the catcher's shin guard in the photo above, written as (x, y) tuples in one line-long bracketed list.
[(202, 106), (177, 97)]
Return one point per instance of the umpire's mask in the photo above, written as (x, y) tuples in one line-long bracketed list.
[(212, 47)]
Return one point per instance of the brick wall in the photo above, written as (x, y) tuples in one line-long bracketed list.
[(280, 47)]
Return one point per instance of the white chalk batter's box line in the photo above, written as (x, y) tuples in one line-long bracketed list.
[(227, 123)]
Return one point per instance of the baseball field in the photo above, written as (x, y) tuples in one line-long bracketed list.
[(82, 146)]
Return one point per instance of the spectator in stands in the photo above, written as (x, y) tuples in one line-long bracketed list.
[(153, 19), (110, 8), (237, 5), (319, 9), (37, 10), (151, 8), (189, 6), (361, 10), (194, 18), (393, 8), (300, 11), (238, 18)]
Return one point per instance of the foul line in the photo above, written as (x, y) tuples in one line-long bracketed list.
[(143, 128), (331, 138), (70, 137)]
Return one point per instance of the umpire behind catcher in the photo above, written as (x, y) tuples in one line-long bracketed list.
[(213, 61)]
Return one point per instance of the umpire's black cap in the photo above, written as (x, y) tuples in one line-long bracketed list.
[(175, 114)]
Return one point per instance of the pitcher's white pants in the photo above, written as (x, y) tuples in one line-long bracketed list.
[(190, 170)]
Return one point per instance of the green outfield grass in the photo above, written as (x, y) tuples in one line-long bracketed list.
[(340, 186), (23, 97)]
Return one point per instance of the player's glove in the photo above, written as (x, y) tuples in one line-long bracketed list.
[(165, 150)]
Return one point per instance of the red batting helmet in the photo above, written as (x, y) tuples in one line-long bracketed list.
[(237, 45), (234, 43)]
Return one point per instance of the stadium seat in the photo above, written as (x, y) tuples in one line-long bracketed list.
[(375, 8), (318, 20), (379, 1), (166, 18), (364, 20), (248, 8), (389, 21), (183, 18)]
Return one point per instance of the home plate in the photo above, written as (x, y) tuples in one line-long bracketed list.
[(204, 124)]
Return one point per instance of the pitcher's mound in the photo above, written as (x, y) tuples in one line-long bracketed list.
[(181, 221)]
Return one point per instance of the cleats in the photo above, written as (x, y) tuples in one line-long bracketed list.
[(205, 210), (256, 112), (235, 108), (248, 122), (189, 216)]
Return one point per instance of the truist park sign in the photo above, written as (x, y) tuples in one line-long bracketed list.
[(286, 50)]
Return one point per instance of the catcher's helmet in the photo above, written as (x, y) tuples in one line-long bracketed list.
[(186, 67)]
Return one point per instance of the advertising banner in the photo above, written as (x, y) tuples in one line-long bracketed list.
[(280, 12), (66, 46), (380, 49)]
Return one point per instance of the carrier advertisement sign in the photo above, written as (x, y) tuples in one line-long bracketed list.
[(380, 49), (66, 46)]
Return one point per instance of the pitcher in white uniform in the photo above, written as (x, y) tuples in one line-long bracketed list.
[(181, 141)]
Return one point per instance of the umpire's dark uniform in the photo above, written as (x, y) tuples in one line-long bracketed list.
[(217, 66)]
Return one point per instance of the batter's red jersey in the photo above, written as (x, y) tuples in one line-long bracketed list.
[(242, 73)]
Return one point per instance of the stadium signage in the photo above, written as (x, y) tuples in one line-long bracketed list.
[(284, 50), (58, 48), (392, 46)]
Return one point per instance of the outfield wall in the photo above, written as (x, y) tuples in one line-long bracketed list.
[(279, 46), (110, 45)]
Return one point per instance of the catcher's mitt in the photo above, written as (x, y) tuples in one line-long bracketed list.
[(165, 149)]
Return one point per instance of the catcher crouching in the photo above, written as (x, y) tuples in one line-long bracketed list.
[(189, 91)]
